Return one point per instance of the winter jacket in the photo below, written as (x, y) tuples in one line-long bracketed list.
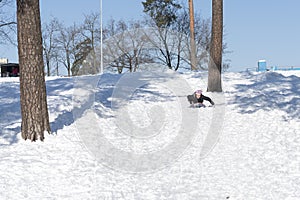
[(193, 99)]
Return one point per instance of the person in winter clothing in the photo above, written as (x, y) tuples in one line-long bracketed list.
[(197, 99)]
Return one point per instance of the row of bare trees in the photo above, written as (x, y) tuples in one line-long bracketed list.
[(128, 45), (133, 46), (72, 50), (68, 46)]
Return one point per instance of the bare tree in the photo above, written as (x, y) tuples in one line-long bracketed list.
[(112, 55), (85, 48), (56, 63), (185, 51), (49, 32), (35, 119), (7, 23), (202, 39), (131, 48), (130, 44), (91, 28), (67, 40), (124, 48), (163, 14), (202, 34), (127, 47), (184, 54), (171, 48), (216, 49)]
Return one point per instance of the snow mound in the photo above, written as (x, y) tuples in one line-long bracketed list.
[(133, 136)]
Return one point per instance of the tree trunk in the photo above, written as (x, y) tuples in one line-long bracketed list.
[(35, 119), (57, 66), (192, 36), (48, 66), (215, 62), (68, 63)]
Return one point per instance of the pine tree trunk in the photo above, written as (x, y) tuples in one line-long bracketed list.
[(192, 36), (35, 119), (215, 62)]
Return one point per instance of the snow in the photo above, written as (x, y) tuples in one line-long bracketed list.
[(133, 136)]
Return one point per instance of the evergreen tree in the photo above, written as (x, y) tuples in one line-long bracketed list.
[(163, 12), (82, 50)]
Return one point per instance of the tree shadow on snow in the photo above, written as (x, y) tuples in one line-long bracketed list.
[(58, 97), (10, 112), (269, 91), (101, 93), (10, 116), (116, 90)]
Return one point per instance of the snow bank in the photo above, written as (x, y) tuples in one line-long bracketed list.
[(152, 145)]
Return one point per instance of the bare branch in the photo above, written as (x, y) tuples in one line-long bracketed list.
[(7, 24)]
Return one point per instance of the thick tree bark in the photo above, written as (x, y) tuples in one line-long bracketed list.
[(35, 119), (192, 36), (215, 62)]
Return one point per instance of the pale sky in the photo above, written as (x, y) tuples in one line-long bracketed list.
[(254, 29)]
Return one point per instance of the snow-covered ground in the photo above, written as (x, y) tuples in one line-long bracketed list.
[(134, 136)]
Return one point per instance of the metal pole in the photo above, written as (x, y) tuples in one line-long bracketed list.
[(101, 38)]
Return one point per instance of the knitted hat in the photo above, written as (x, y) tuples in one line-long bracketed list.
[(198, 92)]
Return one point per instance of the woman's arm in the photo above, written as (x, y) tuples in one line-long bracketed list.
[(208, 99)]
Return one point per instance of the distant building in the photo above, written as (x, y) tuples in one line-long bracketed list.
[(10, 70), (3, 60), (285, 68), (262, 65)]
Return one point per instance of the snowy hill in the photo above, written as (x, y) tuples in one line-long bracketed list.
[(134, 136)]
